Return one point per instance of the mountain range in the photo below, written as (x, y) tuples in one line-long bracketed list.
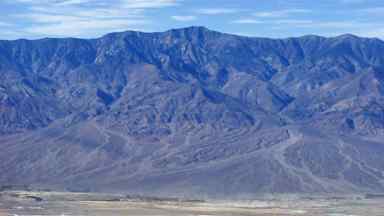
[(193, 112)]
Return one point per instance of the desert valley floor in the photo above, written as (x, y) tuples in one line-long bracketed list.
[(54, 203)]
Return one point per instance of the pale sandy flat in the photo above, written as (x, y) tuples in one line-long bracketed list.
[(3, 213), (76, 204)]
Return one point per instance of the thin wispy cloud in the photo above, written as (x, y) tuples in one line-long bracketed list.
[(338, 24), (294, 22), (287, 22), (350, 24), (93, 18), (217, 11), (352, 1), (72, 2), (184, 18), (68, 29), (310, 24), (52, 2), (4, 24), (86, 18), (247, 21), (281, 13), (121, 3), (148, 3)]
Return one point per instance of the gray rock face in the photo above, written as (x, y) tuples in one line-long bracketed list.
[(193, 112)]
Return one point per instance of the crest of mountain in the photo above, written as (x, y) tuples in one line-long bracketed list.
[(193, 112)]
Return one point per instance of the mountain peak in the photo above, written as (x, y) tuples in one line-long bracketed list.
[(348, 37), (191, 30), (192, 33)]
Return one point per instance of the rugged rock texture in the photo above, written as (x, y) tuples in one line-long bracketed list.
[(193, 112)]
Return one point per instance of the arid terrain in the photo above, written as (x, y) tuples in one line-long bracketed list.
[(191, 112), (54, 203)]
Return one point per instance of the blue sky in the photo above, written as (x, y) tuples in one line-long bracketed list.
[(262, 18)]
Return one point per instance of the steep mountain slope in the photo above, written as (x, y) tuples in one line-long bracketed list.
[(193, 112)]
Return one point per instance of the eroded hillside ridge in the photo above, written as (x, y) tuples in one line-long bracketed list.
[(193, 111)]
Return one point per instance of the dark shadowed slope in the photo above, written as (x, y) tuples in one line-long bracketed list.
[(193, 111)]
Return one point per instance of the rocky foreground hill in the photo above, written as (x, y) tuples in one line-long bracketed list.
[(193, 112)]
